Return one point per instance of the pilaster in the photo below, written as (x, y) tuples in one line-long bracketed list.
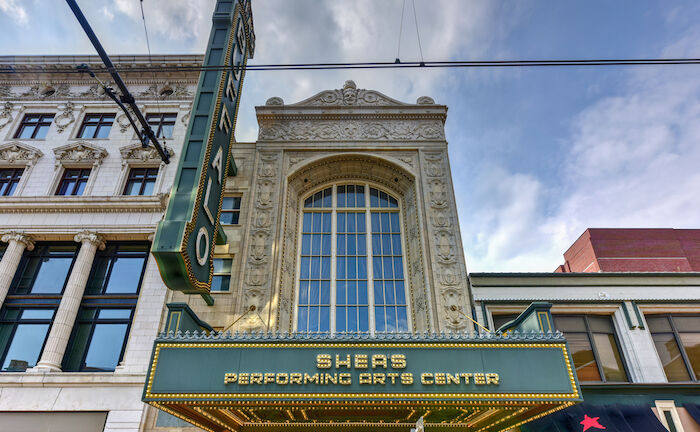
[(17, 242)]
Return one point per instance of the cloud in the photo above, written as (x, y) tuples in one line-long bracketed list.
[(14, 11), (178, 20)]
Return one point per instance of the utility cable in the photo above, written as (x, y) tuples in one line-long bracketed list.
[(398, 50), (13, 69), (415, 19), (150, 61)]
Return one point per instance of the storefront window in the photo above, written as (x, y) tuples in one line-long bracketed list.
[(351, 273), (677, 340), (593, 346)]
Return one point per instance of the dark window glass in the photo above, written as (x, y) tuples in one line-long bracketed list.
[(106, 311), (141, 181), (9, 179), (162, 124), (34, 126), (99, 338), (96, 126), (44, 270), (73, 181), (231, 210), (118, 269), (500, 320), (222, 274), (677, 341), (593, 346), (23, 333)]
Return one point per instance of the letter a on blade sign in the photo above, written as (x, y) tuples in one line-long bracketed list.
[(185, 238)]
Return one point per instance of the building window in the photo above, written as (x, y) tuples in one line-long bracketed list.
[(677, 340), (230, 210), (594, 347), (162, 124), (23, 333), (351, 272), (34, 126), (222, 274), (141, 181), (9, 179), (40, 280), (96, 126), (107, 308), (500, 320), (73, 181)]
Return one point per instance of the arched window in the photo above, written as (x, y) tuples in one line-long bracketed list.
[(351, 265)]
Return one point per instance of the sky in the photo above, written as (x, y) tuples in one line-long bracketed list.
[(538, 154)]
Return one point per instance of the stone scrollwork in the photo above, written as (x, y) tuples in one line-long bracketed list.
[(438, 194), (341, 130), (17, 153), (123, 120), (90, 237), (66, 118), (350, 95), (26, 240), (445, 249), (79, 152), (453, 301), (136, 153), (6, 115)]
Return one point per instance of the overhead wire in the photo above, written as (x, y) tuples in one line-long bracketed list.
[(11, 69), (150, 61), (415, 19), (398, 50)]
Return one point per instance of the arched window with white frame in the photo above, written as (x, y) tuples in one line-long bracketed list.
[(350, 276)]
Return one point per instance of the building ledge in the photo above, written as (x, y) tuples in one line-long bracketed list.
[(83, 204), (69, 379)]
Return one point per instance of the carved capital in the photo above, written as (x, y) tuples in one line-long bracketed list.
[(5, 115), (19, 237), (91, 238)]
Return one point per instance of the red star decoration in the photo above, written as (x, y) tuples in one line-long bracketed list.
[(591, 422)]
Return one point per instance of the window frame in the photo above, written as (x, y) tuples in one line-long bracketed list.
[(679, 342), (100, 123), (105, 301), (229, 274), (232, 211), (158, 127), (333, 210), (142, 180), (62, 178), (12, 180), (594, 348), (17, 322), (40, 122)]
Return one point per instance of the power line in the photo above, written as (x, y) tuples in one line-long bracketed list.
[(415, 19), (12, 69)]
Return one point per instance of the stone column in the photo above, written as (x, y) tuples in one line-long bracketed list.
[(17, 242), (57, 341)]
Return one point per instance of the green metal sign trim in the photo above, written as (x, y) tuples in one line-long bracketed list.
[(288, 370), (185, 239)]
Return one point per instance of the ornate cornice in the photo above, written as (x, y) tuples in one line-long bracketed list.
[(84, 204), (19, 237), (353, 130), (80, 152), (349, 95), (17, 153)]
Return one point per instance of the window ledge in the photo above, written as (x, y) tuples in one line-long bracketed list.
[(73, 379), (83, 204)]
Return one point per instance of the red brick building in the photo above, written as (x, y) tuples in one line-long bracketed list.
[(634, 250)]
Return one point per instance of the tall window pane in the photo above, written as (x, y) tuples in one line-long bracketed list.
[(22, 336), (9, 179), (315, 270), (351, 271), (44, 270), (369, 292), (677, 341)]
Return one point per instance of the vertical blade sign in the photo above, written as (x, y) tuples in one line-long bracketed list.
[(185, 238)]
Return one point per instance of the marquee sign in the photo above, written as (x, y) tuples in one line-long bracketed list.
[(185, 239), (445, 379)]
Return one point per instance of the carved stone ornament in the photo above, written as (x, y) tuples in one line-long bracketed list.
[(434, 166), (17, 153), (258, 247), (274, 101), (90, 237), (186, 118), (80, 152), (265, 188), (65, 119), (343, 130), (350, 95), (453, 301), (123, 120), (136, 153), (19, 237), (5, 115), (445, 249), (425, 100), (438, 194)]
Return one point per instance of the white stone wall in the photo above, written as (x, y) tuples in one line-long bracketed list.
[(35, 211)]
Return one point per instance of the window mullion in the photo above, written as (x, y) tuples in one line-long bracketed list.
[(370, 270), (334, 230), (591, 339), (681, 348)]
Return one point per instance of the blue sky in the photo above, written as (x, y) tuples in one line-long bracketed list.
[(538, 155)]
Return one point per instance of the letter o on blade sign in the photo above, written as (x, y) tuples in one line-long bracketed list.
[(203, 233)]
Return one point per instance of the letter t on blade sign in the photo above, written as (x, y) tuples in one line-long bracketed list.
[(187, 234)]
